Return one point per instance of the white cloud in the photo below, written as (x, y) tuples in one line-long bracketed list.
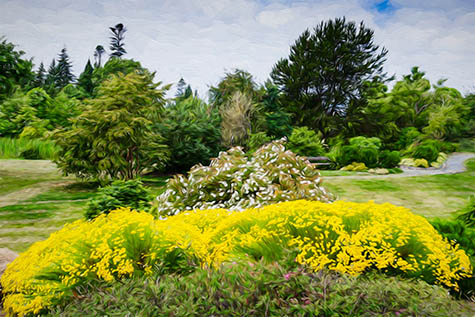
[(200, 39)]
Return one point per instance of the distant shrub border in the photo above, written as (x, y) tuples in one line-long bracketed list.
[(351, 238)]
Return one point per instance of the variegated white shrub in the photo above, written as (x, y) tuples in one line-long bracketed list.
[(235, 181)]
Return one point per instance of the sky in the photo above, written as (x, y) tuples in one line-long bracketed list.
[(200, 40)]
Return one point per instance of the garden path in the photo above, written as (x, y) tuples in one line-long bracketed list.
[(455, 164)]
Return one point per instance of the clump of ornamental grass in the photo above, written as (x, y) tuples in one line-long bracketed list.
[(351, 238), (235, 181)]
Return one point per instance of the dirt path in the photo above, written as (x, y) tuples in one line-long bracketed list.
[(454, 164), (21, 195)]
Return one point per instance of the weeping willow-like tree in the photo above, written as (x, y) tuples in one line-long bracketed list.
[(112, 138)]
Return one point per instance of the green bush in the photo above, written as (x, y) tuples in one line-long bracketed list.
[(408, 136), (467, 213), (427, 150), (129, 193), (235, 181), (238, 289), (362, 150), (389, 159), (305, 142), (256, 140), (464, 236)]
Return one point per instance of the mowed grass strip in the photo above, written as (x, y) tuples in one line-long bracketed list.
[(430, 196), (23, 224)]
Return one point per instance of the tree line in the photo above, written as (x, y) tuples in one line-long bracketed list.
[(113, 120)]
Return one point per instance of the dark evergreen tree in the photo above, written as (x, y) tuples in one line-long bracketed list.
[(40, 76), (65, 75), (180, 87), (85, 79), (52, 78), (98, 55), (324, 75), (117, 46)]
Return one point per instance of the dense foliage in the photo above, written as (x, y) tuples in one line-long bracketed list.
[(345, 237), (129, 193), (235, 181), (113, 138), (305, 142), (323, 77), (192, 132), (245, 289)]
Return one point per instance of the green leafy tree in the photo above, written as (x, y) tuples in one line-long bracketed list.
[(192, 130), (14, 70), (85, 79), (324, 75), (238, 80), (117, 38), (114, 66), (112, 138)]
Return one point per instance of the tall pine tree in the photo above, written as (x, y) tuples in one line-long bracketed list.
[(117, 37), (40, 76), (65, 75), (85, 79)]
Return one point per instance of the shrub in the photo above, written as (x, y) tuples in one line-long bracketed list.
[(459, 232), (389, 159), (355, 167), (305, 142), (235, 181), (346, 237), (426, 150), (467, 213), (256, 140), (362, 150), (243, 289), (421, 163), (119, 194), (408, 136)]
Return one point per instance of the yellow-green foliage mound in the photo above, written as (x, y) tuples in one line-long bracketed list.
[(347, 237)]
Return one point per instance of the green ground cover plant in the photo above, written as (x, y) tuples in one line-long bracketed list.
[(262, 289)]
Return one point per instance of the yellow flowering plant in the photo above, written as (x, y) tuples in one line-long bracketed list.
[(351, 238)]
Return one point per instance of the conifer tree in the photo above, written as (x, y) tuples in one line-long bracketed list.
[(180, 87), (65, 75), (117, 46), (40, 76), (85, 79)]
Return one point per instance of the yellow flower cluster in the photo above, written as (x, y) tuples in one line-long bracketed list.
[(348, 237)]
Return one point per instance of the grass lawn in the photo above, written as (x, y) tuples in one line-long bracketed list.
[(430, 196), (36, 200)]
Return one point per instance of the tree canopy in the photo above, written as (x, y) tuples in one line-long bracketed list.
[(112, 138), (325, 73)]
